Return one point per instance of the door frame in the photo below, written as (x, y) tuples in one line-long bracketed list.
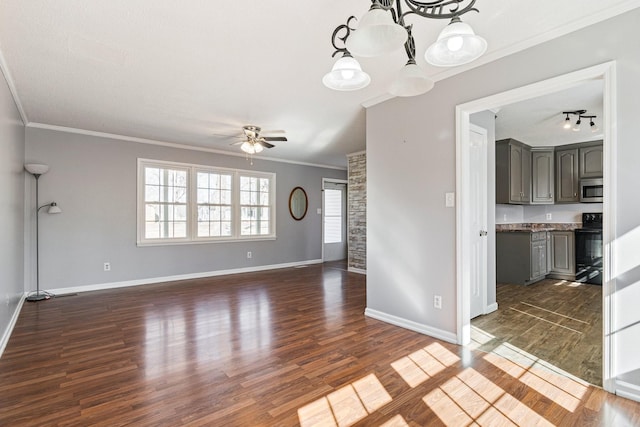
[(346, 214), (607, 73)]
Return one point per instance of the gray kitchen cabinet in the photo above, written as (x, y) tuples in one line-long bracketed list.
[(513, 172), (521, 257), (591, 161), (567, 190), (563, 263), (542, 176)]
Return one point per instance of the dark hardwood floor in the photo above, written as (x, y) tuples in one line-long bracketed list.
[(278, 348), (557, 321)]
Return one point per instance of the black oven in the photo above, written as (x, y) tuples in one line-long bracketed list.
[(588, 249)]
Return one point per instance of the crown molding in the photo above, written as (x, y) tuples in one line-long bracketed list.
[(171, 144), (12, 88)]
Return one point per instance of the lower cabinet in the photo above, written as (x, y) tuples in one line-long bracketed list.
[(521, 257), (563, 260)]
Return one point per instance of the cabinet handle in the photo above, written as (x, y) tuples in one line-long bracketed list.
[(575, 194)]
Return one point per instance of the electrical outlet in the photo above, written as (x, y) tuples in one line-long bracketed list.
[(107, 266), (504, 218), (437, 301), (249, 255), (549, 216)]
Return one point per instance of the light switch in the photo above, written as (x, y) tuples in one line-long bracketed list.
[(450, 200), (319, 211)]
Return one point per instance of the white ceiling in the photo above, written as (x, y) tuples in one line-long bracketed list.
[(539, 122), (185, 71)]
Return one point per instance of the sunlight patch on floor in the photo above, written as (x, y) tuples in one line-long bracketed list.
[(423, 364), (347, 405)]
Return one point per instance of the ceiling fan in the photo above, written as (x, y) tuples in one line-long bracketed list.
[(254, 142)]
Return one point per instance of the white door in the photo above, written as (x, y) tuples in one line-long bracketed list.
[(478, 219), (334, 220)]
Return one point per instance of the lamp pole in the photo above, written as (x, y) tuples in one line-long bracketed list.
[(37, 296)]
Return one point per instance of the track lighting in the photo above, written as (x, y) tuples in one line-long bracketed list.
[(383, 30), (581, 115)]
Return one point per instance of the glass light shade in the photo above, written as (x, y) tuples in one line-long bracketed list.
[(346, 74), (594, 128), (567, 123), (54, 208), (251, 147), (411, 81), (36, 168), (377, 34), (457, 44), (576, 127)]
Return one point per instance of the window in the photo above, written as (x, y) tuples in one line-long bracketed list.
[(181, 203), (332, 216)]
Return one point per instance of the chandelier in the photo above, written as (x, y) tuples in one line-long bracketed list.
[(383, 30)]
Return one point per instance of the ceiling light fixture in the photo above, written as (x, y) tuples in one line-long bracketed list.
[(383, 30), (581, 115)]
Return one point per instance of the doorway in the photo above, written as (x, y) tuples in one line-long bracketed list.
[(464, 226), (334, 220)]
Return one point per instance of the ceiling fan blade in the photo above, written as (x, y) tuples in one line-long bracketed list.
[(274, 138), (265, 144), (238, 143)]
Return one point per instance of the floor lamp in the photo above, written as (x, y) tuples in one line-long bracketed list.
[(36, 170)]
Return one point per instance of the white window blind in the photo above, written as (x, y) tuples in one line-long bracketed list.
[(332, 216)]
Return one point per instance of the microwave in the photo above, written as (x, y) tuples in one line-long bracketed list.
[(591, 190)]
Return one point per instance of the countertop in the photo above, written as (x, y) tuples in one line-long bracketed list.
[(538, 226)]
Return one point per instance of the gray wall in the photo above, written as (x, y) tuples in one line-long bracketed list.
[(411, 164), (12, 184), (93, 180)]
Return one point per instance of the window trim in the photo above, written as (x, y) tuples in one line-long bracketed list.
[(192, 205)]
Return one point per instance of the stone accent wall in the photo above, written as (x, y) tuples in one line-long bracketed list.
[(357, 205)]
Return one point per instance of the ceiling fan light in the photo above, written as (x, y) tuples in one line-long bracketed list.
[(457, 44), (411, 81), (377, 34), (346, 74), (248, 147), (257, 147)]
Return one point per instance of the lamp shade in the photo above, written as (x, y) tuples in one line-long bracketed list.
[(377, 34), (54, 208), (36, 168), (251, 147), (457, 44), (346, 74), (411, 81)]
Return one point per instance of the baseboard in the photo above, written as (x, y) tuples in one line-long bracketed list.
[(491, 308), (628, 390), (411, 325), (151, 280), (12, 324), (357, 270)]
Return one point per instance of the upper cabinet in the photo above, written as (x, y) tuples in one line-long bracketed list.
[(513, 172), (591, 161), (567, 190), (542, 176)]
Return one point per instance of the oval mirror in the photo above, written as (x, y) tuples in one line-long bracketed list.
[(298, 203)]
